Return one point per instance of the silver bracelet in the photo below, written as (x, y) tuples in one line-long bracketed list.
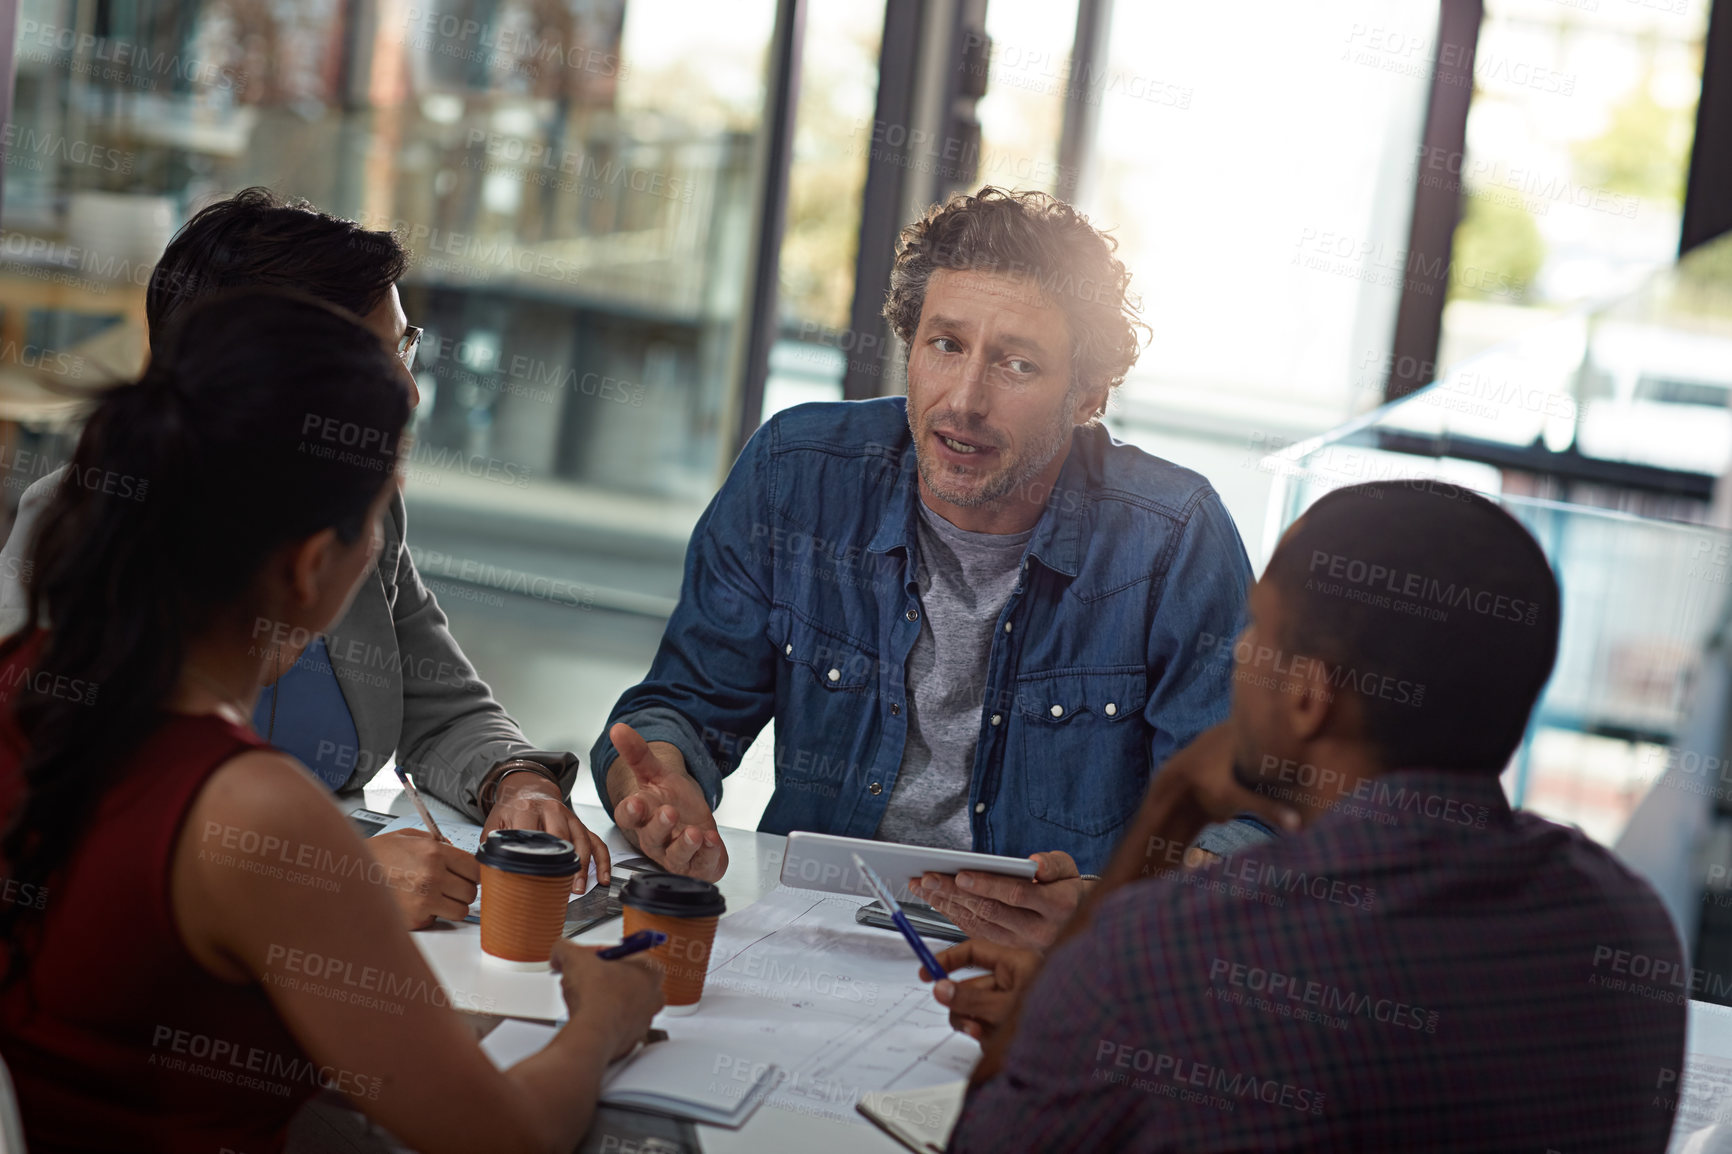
[(507, 768)]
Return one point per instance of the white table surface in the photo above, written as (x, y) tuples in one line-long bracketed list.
[(754, 864)]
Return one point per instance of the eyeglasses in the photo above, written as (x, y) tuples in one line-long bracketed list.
[(407, 345)]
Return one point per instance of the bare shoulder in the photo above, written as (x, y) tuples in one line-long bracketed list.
[(257, 811), (259, 805), (264, 789)]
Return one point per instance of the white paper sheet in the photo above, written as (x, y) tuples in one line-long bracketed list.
[(511, 1041), (838, 1006), (921, 1120), (1702, 1095), (465, 835)]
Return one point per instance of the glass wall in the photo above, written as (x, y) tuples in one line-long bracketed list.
[(1641, 560), (1029, 78), (576, 181), (1257, 162), (1578, 143), (581, 182), (833, 131)]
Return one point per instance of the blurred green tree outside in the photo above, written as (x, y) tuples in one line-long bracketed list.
[(1644, 150), (1498, 250)]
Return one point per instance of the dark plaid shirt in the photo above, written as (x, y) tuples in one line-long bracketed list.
[(1422, 969)]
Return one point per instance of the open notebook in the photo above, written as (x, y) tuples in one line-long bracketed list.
[(919, 1119), (677, 1077)]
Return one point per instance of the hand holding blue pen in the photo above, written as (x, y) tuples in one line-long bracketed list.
[(636, 944), (894, 907)]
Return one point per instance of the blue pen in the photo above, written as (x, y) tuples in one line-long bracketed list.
[(901, 919), (636, 944)]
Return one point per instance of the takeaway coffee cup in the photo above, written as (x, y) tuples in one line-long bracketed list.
[(686, 910), (525, 883)]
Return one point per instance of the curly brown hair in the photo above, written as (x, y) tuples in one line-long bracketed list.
[(1041, 238)]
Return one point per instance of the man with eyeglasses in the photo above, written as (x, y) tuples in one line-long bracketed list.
[(388, 680)]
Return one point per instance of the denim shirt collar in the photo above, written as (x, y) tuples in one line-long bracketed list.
[(1060, 536)]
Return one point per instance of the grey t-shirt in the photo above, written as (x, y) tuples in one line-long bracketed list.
[(964, 580)]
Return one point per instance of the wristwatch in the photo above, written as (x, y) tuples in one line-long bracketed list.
[(489, 791)]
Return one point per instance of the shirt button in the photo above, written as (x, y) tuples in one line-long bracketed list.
[(1111, 710), (835, 675), (874, 789), (997, 717), (1007, 627), (980, 807), (1058, 711), (788, 649), (912, 615), (895, 709)]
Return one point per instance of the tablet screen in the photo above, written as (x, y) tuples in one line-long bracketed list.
[(820, 861)]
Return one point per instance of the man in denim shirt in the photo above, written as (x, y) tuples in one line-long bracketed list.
[(858, 579)]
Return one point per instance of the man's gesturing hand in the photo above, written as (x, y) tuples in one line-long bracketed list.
[(1009, 911), (979, 1006), (661, 808), (528, 801)]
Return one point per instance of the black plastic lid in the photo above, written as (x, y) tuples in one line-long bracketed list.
[(674, 896), (528, 851)]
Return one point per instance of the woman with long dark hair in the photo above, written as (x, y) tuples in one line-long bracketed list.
[(193, 940)]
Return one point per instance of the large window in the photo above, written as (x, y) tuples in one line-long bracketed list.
[(576, 182), (1257, 161), (1027, 60), (832, 140), (1578, 143), (579, 182), (582, 185)]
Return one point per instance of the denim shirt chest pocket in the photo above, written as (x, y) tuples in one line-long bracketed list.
[(827, 681), (1084, 745)]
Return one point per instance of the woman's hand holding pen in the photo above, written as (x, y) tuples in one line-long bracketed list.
[(613, 1000), (427, 878)]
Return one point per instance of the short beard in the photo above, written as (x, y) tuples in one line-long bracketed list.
[(1015, 475)]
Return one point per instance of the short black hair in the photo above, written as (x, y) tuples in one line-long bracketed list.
[(1429, 584), (256, 239)]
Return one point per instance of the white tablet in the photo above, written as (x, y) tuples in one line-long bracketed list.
[(821, 861)]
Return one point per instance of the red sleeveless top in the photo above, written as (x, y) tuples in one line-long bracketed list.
[(115, 1036)]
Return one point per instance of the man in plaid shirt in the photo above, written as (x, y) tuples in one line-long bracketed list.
[(1420, 968)]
